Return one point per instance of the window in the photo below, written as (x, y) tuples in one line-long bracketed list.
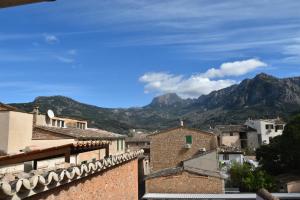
[(80, 125), (225, 157), (188, 139), (60, 123), (53, 122), (278, 127), (231, 134), (118, 145), (269, 126)]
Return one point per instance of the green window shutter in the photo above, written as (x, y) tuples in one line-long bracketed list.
[(188, 139), (118, 146)]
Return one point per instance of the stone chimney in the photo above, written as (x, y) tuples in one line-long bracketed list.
[(35, 110), (35, 114)]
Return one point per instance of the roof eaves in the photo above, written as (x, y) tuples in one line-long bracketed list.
[(181, 127), (164, 172)]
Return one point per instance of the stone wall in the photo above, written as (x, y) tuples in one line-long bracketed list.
[(231, 140), (120, 182), (184, 183), (168, 148)]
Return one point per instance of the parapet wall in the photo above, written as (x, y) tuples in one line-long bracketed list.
[(109, 179)]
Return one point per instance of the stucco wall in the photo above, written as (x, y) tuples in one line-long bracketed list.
[(293, 186), (252, 140), (184, 183), (167, 148), (4, 130), (51, 143), (120, 182), (16, 131), (232, 157)]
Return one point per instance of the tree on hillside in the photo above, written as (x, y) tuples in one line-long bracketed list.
[(282, 155)]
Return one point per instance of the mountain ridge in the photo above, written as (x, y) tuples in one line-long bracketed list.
[(259, 97)]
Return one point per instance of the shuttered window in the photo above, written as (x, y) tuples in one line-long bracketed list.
[(188, 139)]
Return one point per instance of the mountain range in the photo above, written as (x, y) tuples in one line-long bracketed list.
[(263, 96)]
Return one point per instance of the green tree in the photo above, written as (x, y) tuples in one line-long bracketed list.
[(249, 179)]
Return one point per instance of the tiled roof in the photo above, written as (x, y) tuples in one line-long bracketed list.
[(177, 170), (7, 107), (140, 137), (95, 134), (233, 128), (205, 164), (229, 149), (180, 127), (40, 181), (42, 153)]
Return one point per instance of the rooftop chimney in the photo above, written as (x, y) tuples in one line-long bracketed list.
[(36, 110), (181, 123), (35, 113)]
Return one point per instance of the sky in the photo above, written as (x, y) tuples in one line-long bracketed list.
[(122, 53)]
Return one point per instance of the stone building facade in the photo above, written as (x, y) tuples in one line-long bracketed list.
[(169, 148), (185, 182), (183, 160), (238, 136)]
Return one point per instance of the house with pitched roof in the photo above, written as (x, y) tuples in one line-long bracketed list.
[(184, 160), (25, 132)]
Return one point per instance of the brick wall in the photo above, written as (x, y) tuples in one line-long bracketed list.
[(167, 148), (185, 182), (120, 182)]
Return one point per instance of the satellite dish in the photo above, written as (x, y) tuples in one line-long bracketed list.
[(50, 114)]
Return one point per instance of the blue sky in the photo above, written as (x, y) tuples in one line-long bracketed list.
[(122, 53)]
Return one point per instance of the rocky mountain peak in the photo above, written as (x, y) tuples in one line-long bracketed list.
[(168, 99)]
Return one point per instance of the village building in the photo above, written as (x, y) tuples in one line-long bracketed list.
[(229, 155), (289, 182), (183, 160), (266, 128), (138, 141), (50, 157), (199, 174), (239, 136), (107, 178), (25, 132)]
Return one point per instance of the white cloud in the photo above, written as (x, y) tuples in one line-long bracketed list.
[(65, 59), (51, 39), (236, 68), (199, 84)]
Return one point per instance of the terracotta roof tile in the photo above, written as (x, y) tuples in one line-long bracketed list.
[(82, 133)]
